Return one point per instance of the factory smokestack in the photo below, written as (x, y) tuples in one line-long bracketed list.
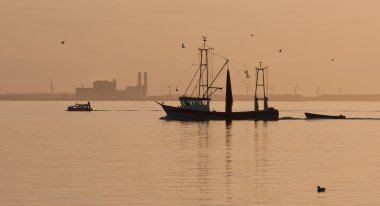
[(139, 79), (145, 87)]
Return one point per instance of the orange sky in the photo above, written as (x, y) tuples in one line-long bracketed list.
[(108, 39)]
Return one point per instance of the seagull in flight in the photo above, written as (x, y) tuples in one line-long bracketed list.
[(246, 74)]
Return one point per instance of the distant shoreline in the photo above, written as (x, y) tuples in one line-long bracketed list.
[(279, 97)]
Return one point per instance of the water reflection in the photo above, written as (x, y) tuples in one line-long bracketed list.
[(203, 161), (260, 175), (213, 158), (135, 159), (228, 161)]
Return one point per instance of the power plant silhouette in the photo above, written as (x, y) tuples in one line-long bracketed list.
[(106, 90)]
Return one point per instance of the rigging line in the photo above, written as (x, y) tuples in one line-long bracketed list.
[(220, 56), (198, 57), (182, 77), (186, 72), (242, 64), (213, 92), (247, 83), (194, 88), (266, 77), (198, 82), (211, 63), (192, 82), (224, 65)]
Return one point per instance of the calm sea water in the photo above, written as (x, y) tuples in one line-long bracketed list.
[(125, 155)]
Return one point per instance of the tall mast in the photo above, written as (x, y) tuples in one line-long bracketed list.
[(260, 84), (203, 70), (206, 57)]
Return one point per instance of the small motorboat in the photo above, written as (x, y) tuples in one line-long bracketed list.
[(322, 116), (80, 107)]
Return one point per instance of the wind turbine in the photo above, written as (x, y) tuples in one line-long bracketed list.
[(170, 88), (51, 87), (295, 89), (81, 84), (317, 90)]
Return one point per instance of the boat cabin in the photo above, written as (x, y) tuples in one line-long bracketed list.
[(195, 103)]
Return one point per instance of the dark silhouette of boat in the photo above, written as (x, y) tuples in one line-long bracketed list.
[(197, 106), (80, 107), (178, 113), (321, 189), (322, 116)]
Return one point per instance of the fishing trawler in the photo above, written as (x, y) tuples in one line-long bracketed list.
[(196, 106)]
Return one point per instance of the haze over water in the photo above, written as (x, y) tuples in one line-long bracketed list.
[(126, 155)]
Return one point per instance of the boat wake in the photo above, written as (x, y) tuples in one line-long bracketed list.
[(348, 118), (127, 110), (291, 118), (364, 118)]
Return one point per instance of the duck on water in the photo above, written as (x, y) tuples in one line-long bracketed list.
[(321, 189), (196, 106)]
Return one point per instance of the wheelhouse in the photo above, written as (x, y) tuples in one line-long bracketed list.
[(195, 103)]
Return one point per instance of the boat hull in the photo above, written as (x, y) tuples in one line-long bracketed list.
[(79, 110), (322, 116), (178, 113)]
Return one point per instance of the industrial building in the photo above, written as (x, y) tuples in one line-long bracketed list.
[(106, 90), (140, 90)]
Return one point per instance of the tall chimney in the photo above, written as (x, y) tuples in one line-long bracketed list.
[(139, 79), (145, 89)]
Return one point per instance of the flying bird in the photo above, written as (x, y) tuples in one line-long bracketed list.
[(246, 74), (183, 46), (63, 42)]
